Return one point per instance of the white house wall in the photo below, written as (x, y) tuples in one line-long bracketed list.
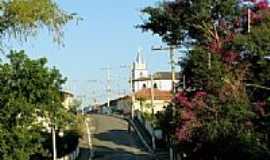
[(164, 85), (158, 106)]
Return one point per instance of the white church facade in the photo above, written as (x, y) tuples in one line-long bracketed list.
[(141, 78)]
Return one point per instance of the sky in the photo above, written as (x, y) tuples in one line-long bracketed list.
[(106, 37)]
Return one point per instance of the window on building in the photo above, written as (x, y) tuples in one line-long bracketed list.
[(144, 86), (155, 85)]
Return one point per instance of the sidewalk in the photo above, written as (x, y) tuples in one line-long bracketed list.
[(85, 148), (146, 135), (160, 153)]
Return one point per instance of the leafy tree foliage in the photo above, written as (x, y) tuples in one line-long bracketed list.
[(30, 99), (223, 113), (22, 18)]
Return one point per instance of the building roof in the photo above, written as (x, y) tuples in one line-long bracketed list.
[(158, 94), (160, 76), (67, 93), (114, 101)]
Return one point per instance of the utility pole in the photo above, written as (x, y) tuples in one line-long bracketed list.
[(131, 92), (94, 100), (131, 88), (172, 59), (152, 95), (172, 52), (93, 94), (153, 112), (109, 89)]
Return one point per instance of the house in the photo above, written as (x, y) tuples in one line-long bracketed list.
[(122, 105), (141, 78), (67, 99), (141, 86), (143, 100)]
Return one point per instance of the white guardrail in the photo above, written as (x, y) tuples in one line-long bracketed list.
[(72, 156)]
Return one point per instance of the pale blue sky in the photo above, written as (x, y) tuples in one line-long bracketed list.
[(106, 36)]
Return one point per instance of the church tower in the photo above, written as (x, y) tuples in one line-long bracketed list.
[(139, 67)]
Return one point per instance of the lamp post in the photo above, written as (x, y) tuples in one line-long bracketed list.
[(54, 142)]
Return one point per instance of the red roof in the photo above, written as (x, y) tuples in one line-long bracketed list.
[(158, 94)]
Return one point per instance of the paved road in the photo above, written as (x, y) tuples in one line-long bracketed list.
[(112, 141)]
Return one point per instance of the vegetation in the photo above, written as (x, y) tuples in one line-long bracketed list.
[(30, 97), (30, 102), (23, 18), (223, 113)]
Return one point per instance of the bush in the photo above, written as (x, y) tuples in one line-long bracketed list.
[(65, 145)]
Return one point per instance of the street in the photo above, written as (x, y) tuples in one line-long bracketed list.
[(111, 140)]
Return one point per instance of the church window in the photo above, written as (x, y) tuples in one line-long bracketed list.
[(155, 85), (144, 86)]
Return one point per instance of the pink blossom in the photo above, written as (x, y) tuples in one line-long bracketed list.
[(183, 133), (262, 4), (183, 100), (230, 56), (260, 108), (187, 115), (200, 94)]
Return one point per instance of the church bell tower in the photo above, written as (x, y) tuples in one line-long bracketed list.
[(139, 67)]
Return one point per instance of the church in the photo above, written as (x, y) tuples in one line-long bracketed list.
[(141, 78)]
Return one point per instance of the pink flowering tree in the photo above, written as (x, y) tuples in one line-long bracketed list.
[(223, 112)]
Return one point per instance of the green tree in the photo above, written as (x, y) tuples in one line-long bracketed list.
[(75, 106), (22, 18), (30, 91), (29, 96), (226, 75)]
